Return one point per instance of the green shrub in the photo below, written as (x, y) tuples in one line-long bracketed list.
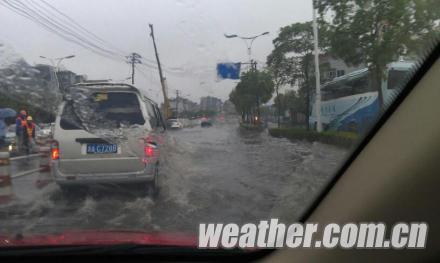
[(249, 126)]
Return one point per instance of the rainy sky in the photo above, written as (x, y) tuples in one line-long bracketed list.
[(189, 34)]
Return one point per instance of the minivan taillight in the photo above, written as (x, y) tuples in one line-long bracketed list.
[(55, 150), (151, 152), (150, 149)]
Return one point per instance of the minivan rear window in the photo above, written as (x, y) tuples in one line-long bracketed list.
[(105, 110), (119, 107)]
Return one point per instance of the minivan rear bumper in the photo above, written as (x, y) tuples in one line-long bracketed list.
[(144, 176)]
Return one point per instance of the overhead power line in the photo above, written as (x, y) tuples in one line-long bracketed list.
[(81, 27), (146, 62), (52, 18), (53, 27), (55, 21)]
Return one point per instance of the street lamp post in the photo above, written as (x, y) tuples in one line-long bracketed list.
[(317, 73), (248, 41), (52, 61), (56, 66)]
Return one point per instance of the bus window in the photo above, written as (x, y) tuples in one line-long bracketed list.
[(396, 78), (360, 85), (346, 88)]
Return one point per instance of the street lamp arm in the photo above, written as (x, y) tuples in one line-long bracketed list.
[(247, 42), (230, 36), (52, 60), (66, 57), (249, 38), (254, 37), (243, 37), (63, 58)]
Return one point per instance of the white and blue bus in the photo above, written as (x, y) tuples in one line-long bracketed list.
[(350, 104)]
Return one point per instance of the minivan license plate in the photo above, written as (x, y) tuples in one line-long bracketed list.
[(102, 148)]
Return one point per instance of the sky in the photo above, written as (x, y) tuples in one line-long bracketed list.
[(189, 35)]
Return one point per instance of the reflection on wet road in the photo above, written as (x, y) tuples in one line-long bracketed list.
[(217, 174)]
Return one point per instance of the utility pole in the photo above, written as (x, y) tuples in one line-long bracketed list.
[(133, 59), (317, 75), (162, 79), (177, 104), (254, 65)]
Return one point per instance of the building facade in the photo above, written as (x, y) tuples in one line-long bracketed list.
[(211, 104), (182, 105), (332, 67)]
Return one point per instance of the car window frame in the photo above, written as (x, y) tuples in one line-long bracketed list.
[(414, 77)]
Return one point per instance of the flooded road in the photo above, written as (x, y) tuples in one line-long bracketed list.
[(217, 174)]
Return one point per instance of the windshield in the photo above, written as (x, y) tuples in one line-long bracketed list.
[(158, 116)]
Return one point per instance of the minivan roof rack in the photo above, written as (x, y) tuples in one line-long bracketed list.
[(103, 83), (116, 85)]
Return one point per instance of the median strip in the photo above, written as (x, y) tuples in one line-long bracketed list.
[(344, 139)]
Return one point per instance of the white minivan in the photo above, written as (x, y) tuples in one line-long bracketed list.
[(106, 133)]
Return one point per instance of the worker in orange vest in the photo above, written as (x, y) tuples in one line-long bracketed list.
[(19, 124), (28, 134)]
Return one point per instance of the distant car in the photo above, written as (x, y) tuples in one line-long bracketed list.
[(81, 156), (174, 124), (44, 131), (10, 138), (10, 134), (205, 122)]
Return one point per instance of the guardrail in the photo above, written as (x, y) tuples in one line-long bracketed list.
[(16, 158), (5, 178), (43, 178)]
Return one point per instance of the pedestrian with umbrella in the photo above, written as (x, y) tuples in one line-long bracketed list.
[(4, 114)]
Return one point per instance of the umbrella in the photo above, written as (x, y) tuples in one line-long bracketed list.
[(7, 113)]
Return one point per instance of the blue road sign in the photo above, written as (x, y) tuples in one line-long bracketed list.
[(228, 70)]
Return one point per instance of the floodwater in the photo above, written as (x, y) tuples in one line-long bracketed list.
[(217, 174)]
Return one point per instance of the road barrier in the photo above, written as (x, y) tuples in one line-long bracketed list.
[(44, 177), (5, 178), (45, 159)]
